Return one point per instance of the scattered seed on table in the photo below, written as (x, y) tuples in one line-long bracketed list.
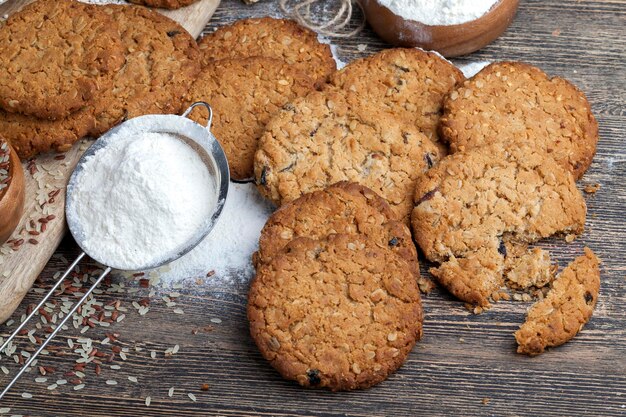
[(192, 397), (216, 320), (132, 379), (41, 380), (111, 382), (79, 387), (5, 410), (153, 354), (170, 392), (148, 401), (52, 387), (27, 395), (4, 370), (178, 311)]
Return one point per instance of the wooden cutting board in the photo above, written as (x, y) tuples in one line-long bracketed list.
[(43, 226)]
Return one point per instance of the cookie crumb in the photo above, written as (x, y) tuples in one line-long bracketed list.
[(570, 238), (591, 188), (486, 401), (556, 32), (361, 47)]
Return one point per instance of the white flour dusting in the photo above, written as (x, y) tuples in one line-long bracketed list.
[(104, 1), (228, 249), (439, 12), (141, 199), (470, 69)]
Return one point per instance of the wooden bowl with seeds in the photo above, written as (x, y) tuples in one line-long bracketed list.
[(448, 40), (12, 190)]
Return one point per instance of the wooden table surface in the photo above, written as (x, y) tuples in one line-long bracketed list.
[(466, 364)]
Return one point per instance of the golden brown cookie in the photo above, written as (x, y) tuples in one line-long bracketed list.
[(162, 60), (273, 38), (165, 4), (322, 139), (340, 313), (245, 93), (565, 310), (471, 200), (31, 136), (56, 56), (346, 208), (515, 102), (409, 83)]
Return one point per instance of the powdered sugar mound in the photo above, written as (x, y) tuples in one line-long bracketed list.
[(470, 69), (228, 249)]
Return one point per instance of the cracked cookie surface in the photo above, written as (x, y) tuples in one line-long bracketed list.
[(339, 313), (56, 56), (245, 93), (162, 60), (409, 83), (273, 38), (321, 139), (346, 208), (564, 311), (165, 4), (516, 102), (466, 203)]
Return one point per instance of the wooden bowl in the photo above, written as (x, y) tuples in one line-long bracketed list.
[(450, 40), (12, 197)]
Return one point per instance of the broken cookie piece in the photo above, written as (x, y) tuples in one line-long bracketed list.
[(475, 207), (531, 269), (564, 311)]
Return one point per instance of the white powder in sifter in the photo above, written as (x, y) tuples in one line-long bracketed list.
[(439, 12), (141, 199)]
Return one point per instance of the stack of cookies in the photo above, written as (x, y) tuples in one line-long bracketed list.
[(335, 303), (86, 68)]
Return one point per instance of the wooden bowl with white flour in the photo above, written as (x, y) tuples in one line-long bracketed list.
[(450, 27)]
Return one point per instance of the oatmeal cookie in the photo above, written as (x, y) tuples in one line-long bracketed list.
[(515, 102), (340, 313), (346, 208), (273, 38), (467, 204), (409, 83), (245, 93), (565, 310), (162, 60), (30, 136), (322, 139), (56, 56), (165, 4)]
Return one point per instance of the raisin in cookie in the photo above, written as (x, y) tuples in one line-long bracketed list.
[(515, 102), (165, 4), (56, 56), (410, 83), (346, 208), (565, 309), (245, 93), (273, 38), (471, 200), (340, 313), (162, 60), (322, 139)]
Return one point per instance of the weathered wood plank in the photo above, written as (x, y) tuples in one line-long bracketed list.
[(463, 358)]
